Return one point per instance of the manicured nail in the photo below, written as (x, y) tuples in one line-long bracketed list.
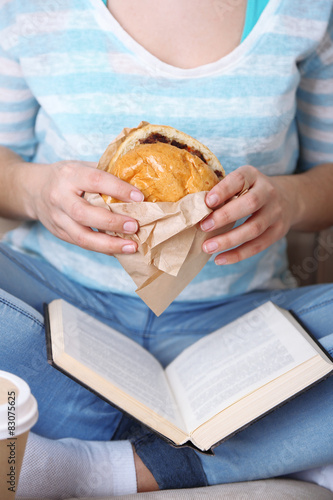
[(129, 249), (212, 200), (136, 196), (207, 224), (220, 261), (130, 227), (210, 247)]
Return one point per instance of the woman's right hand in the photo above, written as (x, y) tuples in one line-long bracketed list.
[(55, 199)]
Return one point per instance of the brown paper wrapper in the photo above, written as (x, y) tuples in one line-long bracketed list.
[(169, 240)]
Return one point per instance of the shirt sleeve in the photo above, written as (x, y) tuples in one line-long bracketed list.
[(18, 106), (315, 105)]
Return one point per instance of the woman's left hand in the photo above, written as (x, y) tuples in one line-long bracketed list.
[(271, 204)]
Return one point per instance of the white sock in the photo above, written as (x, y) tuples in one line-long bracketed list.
[(69, 467), (323, 476)]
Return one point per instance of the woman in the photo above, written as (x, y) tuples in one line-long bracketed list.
[(251, 80)]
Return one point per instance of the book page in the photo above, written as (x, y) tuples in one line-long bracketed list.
[(119, 360), (235, 360)]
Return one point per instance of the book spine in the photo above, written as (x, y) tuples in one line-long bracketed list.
[(48, 334)]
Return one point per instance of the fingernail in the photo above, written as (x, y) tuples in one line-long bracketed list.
[(212, 200), (207, 224), (210, 247), (129, 249), (136, 196), (220, 261), (130, 227)]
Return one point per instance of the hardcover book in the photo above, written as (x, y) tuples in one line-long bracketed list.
[(213, 389)]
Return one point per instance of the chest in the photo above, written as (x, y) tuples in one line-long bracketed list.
[(183, 33), (100, 83)]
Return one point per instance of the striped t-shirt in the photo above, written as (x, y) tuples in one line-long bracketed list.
[(71, 79)]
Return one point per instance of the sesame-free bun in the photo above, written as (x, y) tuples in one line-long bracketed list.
[(165, 164)]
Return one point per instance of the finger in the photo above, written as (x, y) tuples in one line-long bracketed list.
[(92, 164), (235, 210), (249, 248), (98, 181), (88, 239), (231, 185), (85, 214), (251, 229)]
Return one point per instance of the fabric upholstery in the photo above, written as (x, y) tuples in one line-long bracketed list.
[(271, 489)]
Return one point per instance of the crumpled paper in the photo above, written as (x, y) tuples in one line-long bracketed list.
[(169, 240)]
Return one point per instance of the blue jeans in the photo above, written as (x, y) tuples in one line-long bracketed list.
[(297, 436)]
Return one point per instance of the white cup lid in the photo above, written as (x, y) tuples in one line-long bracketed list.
[(18, 407)]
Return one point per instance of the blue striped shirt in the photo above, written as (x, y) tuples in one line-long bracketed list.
[(71, 79)]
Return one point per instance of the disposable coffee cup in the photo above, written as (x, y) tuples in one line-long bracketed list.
[(18, 413)]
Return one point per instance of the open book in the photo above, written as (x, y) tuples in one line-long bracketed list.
[(213, 389)]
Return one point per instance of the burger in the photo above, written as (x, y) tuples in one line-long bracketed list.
[(164, 164)]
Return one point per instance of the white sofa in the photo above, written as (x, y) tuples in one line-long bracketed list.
[(270, 489)]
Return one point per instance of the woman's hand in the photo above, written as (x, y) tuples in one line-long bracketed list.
[(271, 203), (56, 200)]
